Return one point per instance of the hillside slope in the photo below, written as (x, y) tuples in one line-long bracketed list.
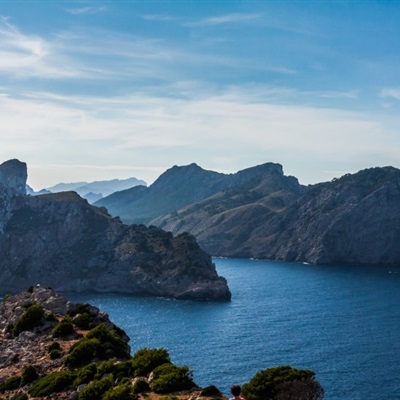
[(353, 220)]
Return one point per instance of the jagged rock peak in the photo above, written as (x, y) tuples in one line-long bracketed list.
[(13, 175)]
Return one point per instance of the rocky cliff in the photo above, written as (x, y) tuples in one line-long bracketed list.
[(61, 241), (180, 187), (351, 220)]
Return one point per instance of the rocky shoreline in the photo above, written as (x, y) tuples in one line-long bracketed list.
[(53, 349)]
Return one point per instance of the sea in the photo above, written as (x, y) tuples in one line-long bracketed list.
[(342, 322)]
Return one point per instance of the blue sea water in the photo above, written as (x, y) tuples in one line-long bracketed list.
[(343, 322)]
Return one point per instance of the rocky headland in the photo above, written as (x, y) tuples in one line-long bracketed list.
[(53, 349), (61, 241)]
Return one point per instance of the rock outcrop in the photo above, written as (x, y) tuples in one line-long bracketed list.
[(261, 213), (61, 241)]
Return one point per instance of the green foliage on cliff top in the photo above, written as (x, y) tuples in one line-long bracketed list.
[(146, 360), (170, 378), (52, 383), (265, 384), (30, 319)]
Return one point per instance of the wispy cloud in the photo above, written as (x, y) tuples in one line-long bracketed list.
[(144, 128), (86, 10), (226, 19), (159, 17), (393, 93)]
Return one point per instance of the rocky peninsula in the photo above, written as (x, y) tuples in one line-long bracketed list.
[(61, 241), (53, 349)]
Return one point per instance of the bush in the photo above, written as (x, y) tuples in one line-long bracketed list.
[(122, 370), (140, 386), (170, 378), (307, 389), (86, 374), (82, 353), (120, 392), (30, 319), (29, 374), (96, 389), (52, 383), (111, 344), (10, 384), (84, 321), (53, 346), (63, 328), (267, 383), (146, 360), (55, 354), (50, 317)]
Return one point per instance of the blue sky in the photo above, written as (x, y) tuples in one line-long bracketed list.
[(93, 90)]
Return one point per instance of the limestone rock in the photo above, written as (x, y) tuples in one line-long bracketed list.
[(61, 241)]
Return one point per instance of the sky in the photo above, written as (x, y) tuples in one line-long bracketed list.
[(96, 90)]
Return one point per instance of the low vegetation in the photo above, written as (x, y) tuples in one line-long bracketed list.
[(91, 360), (282, 383), (30, 319)]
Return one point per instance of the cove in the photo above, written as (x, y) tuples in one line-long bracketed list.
[(343, 322)]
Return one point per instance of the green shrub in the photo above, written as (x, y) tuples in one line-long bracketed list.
[(79, 308), (29, 374), (140, 386), (6, 296), (86, 374), (265, 384), (82, 353), (53, 346), (111, 344), (146, 360), (120, 392), (122, 370), (84, 321), (307, 389), (30, 319), (50, 317), (10, 384), (96, 389), (52, 383), (171, 378), (105, 368), (54, 354), (63, 328)]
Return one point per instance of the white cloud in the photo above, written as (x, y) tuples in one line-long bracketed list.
[(226, 131), (226, 19), (393, 93), (86, 10)]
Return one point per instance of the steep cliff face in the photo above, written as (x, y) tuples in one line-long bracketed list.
[(13, 176), (354, 219), (61, 241)]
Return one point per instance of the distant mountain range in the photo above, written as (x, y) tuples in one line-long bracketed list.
[(92, 191), (259, 212)]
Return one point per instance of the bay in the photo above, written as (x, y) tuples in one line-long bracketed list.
[(343, 322)]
